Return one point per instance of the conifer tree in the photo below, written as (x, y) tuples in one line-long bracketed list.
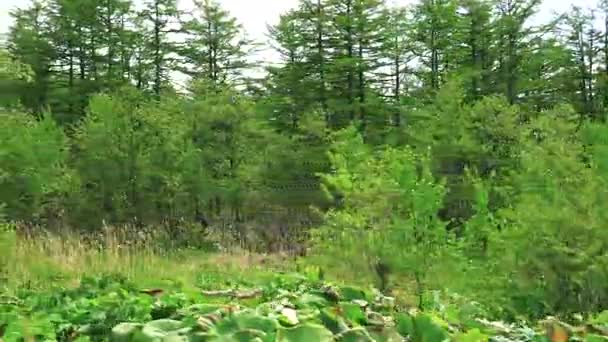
[(216, 47)]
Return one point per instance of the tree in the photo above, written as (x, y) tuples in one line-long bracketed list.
[(482, 136), (581, 38), (316, 28), (216, 48), (356, 38), (603, 45), (289, 84), (33, 172), (12, 73), (398, 51), (394, 205), (162, 17), (113, 17), (513, 35), (555, 246), (434, 36), (546, 76), (30, 43), (477, 60)]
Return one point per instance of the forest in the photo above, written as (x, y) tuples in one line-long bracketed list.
[(450, 154)]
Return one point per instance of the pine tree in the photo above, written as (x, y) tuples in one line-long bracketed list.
[(476, 22), (513, 36), (216, 47), (397, 51), (29, 41), (581, 39), (435, 36), (356, 43), (316, 47), (603, 47), (13, 75), (113, 15), (162, 18), (289, 83)]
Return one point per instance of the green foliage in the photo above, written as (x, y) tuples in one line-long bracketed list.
[(421, 328), (217, 55), (11, 70), (390, 199), (462, 148), (119, 148), (13, 73), (33, 157), (553, 236), (111, 308)]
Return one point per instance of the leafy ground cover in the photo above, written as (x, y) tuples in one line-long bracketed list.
[(288, 307)]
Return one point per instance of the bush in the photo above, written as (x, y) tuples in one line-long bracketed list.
[(388, 210), (33, 174)]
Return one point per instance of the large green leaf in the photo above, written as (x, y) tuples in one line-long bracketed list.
[(353, 313), (289, 317), (124, 332), (164, 325), (202, 309), (248, 335), (405, 325), (474, 335), (348, 293), (332, 321), (162, 330), (311, 300), (305, 333), (243, 321), (384, 334), (421, 328), (596, 338), (358, 334)]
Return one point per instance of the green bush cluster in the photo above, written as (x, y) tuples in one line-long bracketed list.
[(133, 160), (526, 235)]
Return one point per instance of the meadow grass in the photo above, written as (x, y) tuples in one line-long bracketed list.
[(63, 260), (49, 260)]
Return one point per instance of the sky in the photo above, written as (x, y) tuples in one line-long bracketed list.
[(254, 15)]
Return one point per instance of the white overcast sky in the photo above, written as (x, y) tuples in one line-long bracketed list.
[(255, 14)]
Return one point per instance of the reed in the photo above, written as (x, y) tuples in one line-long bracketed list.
[(50, 259)]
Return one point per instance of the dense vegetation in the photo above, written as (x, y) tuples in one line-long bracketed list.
[(451, 145), (289, 308)]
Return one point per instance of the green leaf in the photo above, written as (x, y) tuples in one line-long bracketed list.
[(332, 321), (427, 330), (289, 317), (474, 335), (384, 334), (348, 293), (358, 334), (353, 313), (249, 335), (421, 328), (243, 321), (405, 325), (311, 300), (305, 333), (164, 325), (124, 331), (160, 330), (203, 309), (601, 319)]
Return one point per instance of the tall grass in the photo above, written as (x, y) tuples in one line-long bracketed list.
[(45, 259)]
